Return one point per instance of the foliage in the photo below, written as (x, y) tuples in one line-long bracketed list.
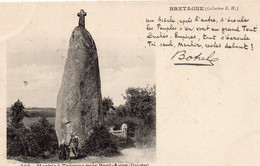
[(21, 141), (145, 137), (139, 113), (17, 112), (40, 139), (107, 105), (132, 124), (140, 103), (45, 135), (100, 143), (121, 111), (29, 121)]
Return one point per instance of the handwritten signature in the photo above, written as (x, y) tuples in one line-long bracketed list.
[(197, 60)]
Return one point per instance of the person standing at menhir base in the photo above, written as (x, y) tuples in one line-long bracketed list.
[(79, 101), (74, 143)]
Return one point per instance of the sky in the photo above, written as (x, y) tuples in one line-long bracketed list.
[(37, 50)]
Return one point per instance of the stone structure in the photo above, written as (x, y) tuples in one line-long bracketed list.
[(79, 101)]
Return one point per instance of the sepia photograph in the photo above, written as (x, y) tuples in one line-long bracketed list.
[(81, 86), (130, 83)]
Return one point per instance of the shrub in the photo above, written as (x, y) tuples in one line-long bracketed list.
[(145, 137), (139, 113), (140, 103), (100, 143), (39, 140), (45, 136), (20, 141)]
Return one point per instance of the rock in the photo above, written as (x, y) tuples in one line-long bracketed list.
[(79, 101)]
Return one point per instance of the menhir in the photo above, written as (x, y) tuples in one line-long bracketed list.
[(79, 101)]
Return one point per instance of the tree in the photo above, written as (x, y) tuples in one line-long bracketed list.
[(107, 105), (17, 112), (139, 113), (141, 107), (121, 111), (140, 103), (45, 135), (20, 140)]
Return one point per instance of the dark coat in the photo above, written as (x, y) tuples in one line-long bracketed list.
[(64, 152)]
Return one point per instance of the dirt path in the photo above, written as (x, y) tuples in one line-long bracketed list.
[(131, 155)]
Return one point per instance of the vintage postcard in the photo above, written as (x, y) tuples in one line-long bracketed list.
[(130, 83)]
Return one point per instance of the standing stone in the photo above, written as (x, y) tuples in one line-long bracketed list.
[(79, 101)]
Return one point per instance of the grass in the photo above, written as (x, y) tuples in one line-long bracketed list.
[(28, 121)]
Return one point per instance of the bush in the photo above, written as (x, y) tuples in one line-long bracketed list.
[(45, 136), (20, 141), (100, 143), (139, 113), (145, 137), (39, 140)]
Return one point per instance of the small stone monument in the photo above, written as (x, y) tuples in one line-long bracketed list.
[(79, 101)]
